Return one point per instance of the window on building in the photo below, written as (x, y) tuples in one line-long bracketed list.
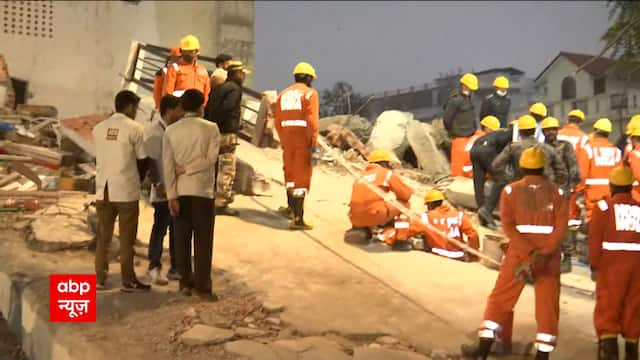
[(599, 85), (568, 90), (562, 109), (28, 18)]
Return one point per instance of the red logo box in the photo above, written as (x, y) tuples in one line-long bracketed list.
[(72, 298)]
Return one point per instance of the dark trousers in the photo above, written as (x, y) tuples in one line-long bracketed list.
[(493, 198), (197, 219), (481, 159), (161, 221), (127, 214)]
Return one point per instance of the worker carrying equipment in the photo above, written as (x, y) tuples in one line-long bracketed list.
[(187, 73), (367, 209), (614, 255), (489, 123), (459, 120), (534, 218), (296, 120), (443, 217)]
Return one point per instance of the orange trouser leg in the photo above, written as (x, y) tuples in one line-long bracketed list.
[(631, 311), (614, 300), (574, 210), (593, 194), (547, 293), (505, 293), (377, 215), (457, 155), (297, 166)]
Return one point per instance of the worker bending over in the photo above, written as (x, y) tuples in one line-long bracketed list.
[(439, 215), (459, 121), (368, 209), (614, 255), (296, 120), (489, 123), (534, 217)]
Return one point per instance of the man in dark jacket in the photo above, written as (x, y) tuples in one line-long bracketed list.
[(484, 150), (497, 103), (224, 110), (459, 120)]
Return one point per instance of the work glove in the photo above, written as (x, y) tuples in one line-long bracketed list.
[(524, 273), (315, 155)]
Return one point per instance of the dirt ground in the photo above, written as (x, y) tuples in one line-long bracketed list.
[(9, 345)]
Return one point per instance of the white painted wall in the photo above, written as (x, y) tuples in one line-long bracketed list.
[(77, 70)]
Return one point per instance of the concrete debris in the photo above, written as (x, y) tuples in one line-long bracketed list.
[(190, 313), (430, 159), (359, 126), (249, 320), (345, 139), (459, 192), (295, 345), (273, 321), (324, 354), (249, 333), (205, 335), (59, 232), (387, 340), (390, 132), (375, 346), (264, 134), (257, 351), (272, 307), (368, 353)]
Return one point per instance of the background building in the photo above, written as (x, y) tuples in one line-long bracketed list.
[(72, 54)]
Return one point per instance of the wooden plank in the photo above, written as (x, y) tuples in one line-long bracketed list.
[(26, 172), (7, 179), (15, 158)]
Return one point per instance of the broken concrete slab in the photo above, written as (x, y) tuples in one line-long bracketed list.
[(257, 351), (249, 333), (59, 232), (324, 354), (273, 321), (368, 353), (272, 307), (387, 340), (390, 132), (358, 125), (295, 345), (205, 335), (431, 160)]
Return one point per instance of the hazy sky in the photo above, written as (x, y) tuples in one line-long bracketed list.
[(388, 45)]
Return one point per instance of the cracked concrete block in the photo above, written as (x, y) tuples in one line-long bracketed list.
[(205, 335)]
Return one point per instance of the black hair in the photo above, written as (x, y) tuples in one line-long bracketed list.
[(221, 59), (600, 133), (532, 171), (192, 100), (303, 78), (616, 189), (384, 164), (434, 204), (574, 120), (168, 102), (537, 117), (527, 132), (125, 98)]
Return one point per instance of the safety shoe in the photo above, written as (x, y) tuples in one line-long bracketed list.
[(565, 265), (135, 286), (155, 277), (541, 355), (207, 296), (173, 275), (185, 291), (285, 212), (401, 245), (357, 236), (630, 350), (608, 349), (299, 224), (101, 286), (479, 351), (486, 219), (226, 211)]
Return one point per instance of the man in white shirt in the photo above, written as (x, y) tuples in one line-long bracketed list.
[(170, 112), (119, 145), (189, 154)]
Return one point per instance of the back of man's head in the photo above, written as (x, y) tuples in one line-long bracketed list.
[(168, 102), (192, 100), (124, 99), (221, 59)]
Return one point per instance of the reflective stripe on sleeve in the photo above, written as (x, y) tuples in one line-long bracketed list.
[(297, 123), (620, 246), (534, 229), (596, 181)]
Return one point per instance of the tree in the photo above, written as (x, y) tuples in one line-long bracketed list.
[(341, 99), (623, 36)]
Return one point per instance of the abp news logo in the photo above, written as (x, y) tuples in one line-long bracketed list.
[(72, 298)]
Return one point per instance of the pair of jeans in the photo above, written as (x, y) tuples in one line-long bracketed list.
[(161, 221), (481, 159)]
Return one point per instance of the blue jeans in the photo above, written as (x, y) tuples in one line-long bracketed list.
[(161, 221)]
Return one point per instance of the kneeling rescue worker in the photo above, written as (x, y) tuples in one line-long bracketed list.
[(369, 210), (534, 217), (296, 120), (445, 218), (614, 254)]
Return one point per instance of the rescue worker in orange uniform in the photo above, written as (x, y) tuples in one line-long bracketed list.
[(489, 123), (571, 133), (187, 73), (614, 249), (296, 120), (445, 218), (625, 142), (459, 120), (367, 209), (158, 81), (633, 160), (534, 217), (596, 158)]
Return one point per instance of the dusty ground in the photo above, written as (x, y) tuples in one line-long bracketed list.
[(9, 345)]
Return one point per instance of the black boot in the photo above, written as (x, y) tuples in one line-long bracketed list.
[(486, 219), (541, 355), (565, 265), (478, 351), (401, 245), (608, 349), (298, 223), (287, 211), (630, 350)]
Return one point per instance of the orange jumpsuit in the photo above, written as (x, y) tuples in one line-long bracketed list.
[(158, 82), (367, 208), (467, 168), (596, 158), (182, 76), (458, 155), (296, 120), (614, 252), (572, 134), (634, 163), (534, 217), (444, 218)]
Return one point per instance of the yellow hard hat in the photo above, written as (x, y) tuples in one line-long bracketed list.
[(633, 124), (189, 42), (538, 109), (491, 122), (469, 80), (433, 195), (635, 132), (501, 82), (621, 176), (305, 69), (576, 113), (603, 124), (526, 122), (380, 155), (550, 122), (532, 158), (237, 66)]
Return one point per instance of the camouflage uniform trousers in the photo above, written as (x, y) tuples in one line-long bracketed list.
[(226, 170)]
